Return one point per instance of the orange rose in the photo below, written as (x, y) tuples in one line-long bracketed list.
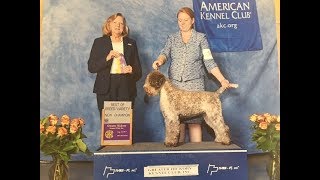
[(73, 129), (269, 119), (253, 117), (62, 131), (75, 122), (51, 129), (65, 120), (277, 126), (266, 114), (260, 118), (42, 128), (53, 119), (263, 125), (81, 121)]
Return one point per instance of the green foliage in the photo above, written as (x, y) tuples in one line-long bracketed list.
[(266, 131), (63, 138)]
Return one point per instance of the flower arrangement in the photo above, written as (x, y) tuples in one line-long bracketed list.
[(60, 139), (267, 136), (266, 131)]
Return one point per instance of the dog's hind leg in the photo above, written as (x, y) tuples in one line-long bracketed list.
[(221, 130)]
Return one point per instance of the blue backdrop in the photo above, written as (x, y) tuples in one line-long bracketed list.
[(70, 26)]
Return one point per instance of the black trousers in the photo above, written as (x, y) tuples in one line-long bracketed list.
[(119, 91)]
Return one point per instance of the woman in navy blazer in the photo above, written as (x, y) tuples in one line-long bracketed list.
[(114, 58)]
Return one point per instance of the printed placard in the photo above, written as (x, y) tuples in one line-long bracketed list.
[(171, 170), (116, 123)]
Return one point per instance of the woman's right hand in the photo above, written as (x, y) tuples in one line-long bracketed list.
[(113, 54), (156, 64)]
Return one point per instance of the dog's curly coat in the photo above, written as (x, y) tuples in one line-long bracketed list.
[(176, 104)]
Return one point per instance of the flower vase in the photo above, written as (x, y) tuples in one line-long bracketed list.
[(59, 169), (273, 167)]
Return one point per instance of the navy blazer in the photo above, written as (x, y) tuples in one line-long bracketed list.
[(97, 64)]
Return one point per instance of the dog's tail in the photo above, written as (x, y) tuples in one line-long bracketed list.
[(222, 89)]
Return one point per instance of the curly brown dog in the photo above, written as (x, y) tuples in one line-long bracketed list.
[(177, 104)]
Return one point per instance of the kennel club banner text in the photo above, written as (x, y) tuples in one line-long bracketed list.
[(231, 26)]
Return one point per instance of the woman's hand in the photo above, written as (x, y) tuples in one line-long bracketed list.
[(112, 54), (225, 83), (127, 69), (156, 64)]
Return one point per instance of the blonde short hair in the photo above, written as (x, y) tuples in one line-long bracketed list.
[(106, 25)]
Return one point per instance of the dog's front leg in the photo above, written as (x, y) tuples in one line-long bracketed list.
[(172, 131)]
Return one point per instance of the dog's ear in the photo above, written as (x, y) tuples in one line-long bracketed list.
[(156, 79)]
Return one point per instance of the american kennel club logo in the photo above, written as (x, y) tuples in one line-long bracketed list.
[(111, 171), (212, 168)]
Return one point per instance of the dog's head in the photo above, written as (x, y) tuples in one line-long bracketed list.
[(153, 83)]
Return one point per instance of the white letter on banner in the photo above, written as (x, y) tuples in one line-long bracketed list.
[(203, 5)]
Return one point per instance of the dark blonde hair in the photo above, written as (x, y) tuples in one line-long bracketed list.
[(106, 25), (188, 11)]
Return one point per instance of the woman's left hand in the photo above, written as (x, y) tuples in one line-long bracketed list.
[(127, 69), (225, 83)]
